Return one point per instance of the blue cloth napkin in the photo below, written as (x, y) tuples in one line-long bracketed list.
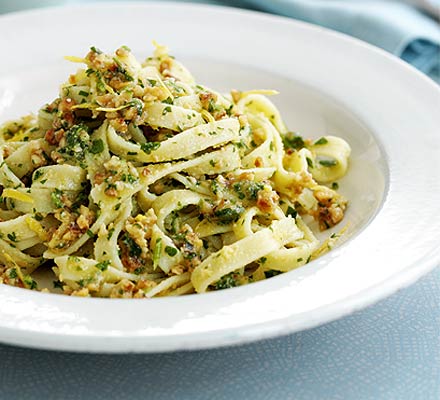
[(396, 27)]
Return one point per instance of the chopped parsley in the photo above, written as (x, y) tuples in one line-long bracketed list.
[(38, 174), (13, 273), (247, 189), (271, 273), (212, 106), (328, 163), (150, 146), (56, 197), (85, 282), (293, 141), (166, 110), (81, 198), (253, 189), (171, 251), (57, 285), (226, 282), (95, 50), (110, 233), (77, 142), (238, 190), (139, 270), (103, 265), (321, 141), (168, 100), (120, 68), (97, 146), (12, 236), (291, 212), (29, 282), (133, 249), (128, 178), (229, 214), (136, 103)]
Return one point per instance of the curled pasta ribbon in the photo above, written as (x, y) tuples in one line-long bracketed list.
[(244, 252), (180, 146), (138, 182), (330, 159)]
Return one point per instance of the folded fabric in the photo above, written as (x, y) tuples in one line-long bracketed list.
[(396, 27)]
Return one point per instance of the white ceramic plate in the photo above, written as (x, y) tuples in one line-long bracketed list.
[(329, 84)]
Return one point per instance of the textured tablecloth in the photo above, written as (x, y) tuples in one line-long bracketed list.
[(390, 351)]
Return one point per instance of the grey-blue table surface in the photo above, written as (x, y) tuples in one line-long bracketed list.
[(388, 351)]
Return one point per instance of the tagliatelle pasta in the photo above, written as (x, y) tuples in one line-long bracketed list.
[(138, 182)]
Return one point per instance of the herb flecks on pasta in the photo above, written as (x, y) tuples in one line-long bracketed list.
[(138, 182)]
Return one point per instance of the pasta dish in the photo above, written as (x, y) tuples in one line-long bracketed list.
[(139, 182)]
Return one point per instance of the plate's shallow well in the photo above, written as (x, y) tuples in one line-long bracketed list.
[(329, 84)]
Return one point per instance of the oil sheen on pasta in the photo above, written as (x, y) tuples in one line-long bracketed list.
[(137, 182)]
